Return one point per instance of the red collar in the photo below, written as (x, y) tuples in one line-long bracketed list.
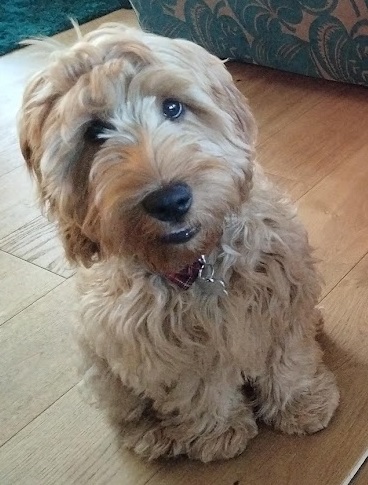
[(187, 276)]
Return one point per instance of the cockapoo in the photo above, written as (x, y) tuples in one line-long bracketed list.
[(195, 275)]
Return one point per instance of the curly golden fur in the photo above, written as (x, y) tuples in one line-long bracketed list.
[(170, 365)]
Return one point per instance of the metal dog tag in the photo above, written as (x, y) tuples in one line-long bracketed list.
[(212, 286), (207, 282)]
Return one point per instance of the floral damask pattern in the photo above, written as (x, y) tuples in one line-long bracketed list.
[(325, 38)]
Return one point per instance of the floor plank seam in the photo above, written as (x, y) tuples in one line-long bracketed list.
[(281, 128), (33, 302), (292, 119), (33, 264), (38, 415), (314, 185), (12, 170), (343, 277)]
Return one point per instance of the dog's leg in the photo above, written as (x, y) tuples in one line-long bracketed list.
[(100, 386), (298, 395), (202, 418)]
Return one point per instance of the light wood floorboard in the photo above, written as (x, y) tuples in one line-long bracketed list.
[(21, 284), (336, 214), (70, 443), (313, 143), (37, 359), (17, 201), (38, 243)]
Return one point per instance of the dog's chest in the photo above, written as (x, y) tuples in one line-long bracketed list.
[(150, 341), (148, 333)]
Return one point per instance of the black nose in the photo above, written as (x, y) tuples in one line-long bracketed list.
[(170, 203)]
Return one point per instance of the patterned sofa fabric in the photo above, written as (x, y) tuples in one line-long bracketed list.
[(321, 38)]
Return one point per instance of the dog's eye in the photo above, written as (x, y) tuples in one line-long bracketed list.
[(172, 108), (96, 128)]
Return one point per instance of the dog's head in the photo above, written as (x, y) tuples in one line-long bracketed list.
[(141, 147)]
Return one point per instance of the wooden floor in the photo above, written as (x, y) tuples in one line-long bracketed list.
[(314, 142)]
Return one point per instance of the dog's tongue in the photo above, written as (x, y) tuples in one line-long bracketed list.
[(187, 276)]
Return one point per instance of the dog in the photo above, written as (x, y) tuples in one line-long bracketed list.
[(195, 275)]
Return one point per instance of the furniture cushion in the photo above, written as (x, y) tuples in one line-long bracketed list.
[(321, 38)]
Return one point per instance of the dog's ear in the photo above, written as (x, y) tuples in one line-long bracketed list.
[(35, 108), (77, 228), (239, 110), (62, 177), (232, 101)]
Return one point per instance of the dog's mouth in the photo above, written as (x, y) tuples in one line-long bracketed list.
[(180, 236)]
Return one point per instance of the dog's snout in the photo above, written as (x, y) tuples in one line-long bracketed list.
[(169, 203)]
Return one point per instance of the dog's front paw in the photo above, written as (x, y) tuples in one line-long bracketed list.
[(224, 445), (215, 442), (159, 441), (312, 409)]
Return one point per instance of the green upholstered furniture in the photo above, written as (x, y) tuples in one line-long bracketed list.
[(321, 38)]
